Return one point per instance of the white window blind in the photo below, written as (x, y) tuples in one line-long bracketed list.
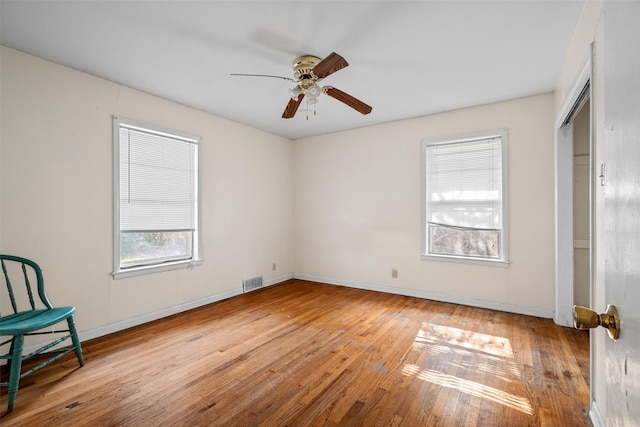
[(156, 225), (464, 184), (464, 198), (157, 181)]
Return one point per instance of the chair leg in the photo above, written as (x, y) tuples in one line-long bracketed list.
[(14, 372), (8, 365), (75, 339)]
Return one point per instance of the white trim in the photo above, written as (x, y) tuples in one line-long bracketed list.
[(564, 226), (583, 77), (115, 167), (156, 130), (509, 308), (139, 271), (119, 273), (564, 162), (467, 260), (150, 317), (277, 280), (169, 311), (595, 416)]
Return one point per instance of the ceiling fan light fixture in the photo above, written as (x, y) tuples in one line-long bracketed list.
[(313, 91), (295, 92)]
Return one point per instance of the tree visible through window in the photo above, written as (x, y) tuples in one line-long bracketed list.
[(464, 198), (155, 197)]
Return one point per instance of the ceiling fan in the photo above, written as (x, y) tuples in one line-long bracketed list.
[(308, 71)]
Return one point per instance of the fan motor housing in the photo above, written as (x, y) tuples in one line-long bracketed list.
[(303, 67)]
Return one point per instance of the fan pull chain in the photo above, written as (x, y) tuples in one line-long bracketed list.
[(314, 102)]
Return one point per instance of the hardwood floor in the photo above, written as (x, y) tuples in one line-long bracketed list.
[(308, 354)]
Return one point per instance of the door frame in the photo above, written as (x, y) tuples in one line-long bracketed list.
[(564, 280)]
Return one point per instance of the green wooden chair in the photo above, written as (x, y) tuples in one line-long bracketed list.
[(29, 317)]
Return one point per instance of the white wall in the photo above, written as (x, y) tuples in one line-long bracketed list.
[(349, 203), (358, 213), (56, 201)]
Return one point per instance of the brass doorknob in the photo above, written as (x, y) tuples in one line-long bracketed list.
[(585, 318)]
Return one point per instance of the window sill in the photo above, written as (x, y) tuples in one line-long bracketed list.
[(466, 260), (139, 271)]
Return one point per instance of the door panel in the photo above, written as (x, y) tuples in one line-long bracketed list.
[(622, 207)]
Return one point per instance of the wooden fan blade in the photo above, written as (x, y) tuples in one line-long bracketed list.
[(329, 65), (292, 107), (352, 102)]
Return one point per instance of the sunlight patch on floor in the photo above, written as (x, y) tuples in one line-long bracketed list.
[(446, 335), (472, 351), (470, 387)]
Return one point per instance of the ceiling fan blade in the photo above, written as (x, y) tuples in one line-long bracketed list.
[(329, 65), (344, 97), (292, 107)]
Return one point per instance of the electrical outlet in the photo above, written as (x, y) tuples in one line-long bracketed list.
[(394, 274)]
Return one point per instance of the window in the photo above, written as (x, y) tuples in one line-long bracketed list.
[(155, 199), (464, 198)]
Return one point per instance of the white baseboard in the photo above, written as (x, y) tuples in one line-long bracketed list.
[(509, 308), (595, 415), (149, 317), (278, 280), (135, 321)]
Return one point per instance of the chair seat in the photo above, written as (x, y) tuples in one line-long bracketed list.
[(28, 321)]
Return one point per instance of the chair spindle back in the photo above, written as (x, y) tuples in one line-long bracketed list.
[(11, 265)]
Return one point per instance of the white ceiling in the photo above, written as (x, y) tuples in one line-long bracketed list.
[(407, 58)]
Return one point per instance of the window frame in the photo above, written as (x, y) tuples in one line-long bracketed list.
[(196, 259), (503, 261)]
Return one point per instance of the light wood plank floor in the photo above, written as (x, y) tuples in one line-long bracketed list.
[(308, 354)]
